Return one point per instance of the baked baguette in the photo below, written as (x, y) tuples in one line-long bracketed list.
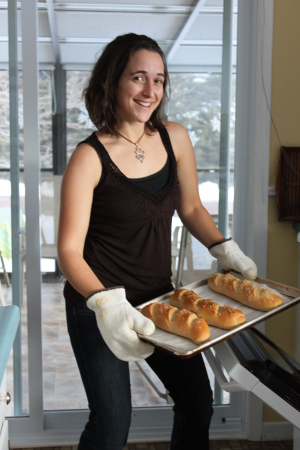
[(244, 291), (224, 317), (181, 322)]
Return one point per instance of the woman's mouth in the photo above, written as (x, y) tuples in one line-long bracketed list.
[(145, 104)]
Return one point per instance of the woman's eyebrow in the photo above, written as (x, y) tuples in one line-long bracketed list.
[(145, 72)]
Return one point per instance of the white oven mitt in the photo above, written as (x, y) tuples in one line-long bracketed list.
[(230, 256), (119, 323)]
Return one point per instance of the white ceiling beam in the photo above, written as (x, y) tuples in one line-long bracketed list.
[(104, 41), (53, 30), (185, 29), (119, 7), (111, 7)]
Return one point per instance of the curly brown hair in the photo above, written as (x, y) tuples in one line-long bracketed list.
[(99, 95)]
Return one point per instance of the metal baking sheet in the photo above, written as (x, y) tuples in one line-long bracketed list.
[(185, 348)]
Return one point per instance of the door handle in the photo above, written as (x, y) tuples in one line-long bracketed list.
[(6, 398)]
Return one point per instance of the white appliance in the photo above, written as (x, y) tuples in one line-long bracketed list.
[(257, 365)]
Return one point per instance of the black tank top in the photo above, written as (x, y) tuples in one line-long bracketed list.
[(152, 183), (128, 242)]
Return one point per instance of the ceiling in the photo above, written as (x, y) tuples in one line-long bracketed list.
[(73, 33)]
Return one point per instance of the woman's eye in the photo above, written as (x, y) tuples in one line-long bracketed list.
[(159, 81), (139, 78)]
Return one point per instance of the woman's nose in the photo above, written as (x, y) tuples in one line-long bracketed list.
[(148, 89)]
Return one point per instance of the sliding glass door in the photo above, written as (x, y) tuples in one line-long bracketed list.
[(47, 407)]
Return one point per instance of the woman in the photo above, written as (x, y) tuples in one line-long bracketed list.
[(119, 193)]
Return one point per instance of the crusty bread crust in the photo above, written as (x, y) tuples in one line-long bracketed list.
[(181, 322), (224, 317), (244, 291)]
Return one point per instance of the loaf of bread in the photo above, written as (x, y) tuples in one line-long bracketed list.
[(181, 322), (244, 291), (224, 317)]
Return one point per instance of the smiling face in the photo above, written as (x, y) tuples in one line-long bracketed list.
[(140, 89)]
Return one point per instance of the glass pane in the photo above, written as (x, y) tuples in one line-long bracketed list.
[(45, 118), (58, 359), (79, 125), (6, 291), (196, 104), (5, 213), (14, 380)]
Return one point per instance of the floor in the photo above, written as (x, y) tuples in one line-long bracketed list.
[(214, 445)]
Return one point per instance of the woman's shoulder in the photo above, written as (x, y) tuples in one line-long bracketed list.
[(176, 130), (84, 161), (179, 137), (84, 152)]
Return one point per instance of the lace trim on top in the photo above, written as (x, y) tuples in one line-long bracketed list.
[(156, 198)]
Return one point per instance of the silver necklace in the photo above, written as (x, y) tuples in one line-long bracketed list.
[(139, 153)]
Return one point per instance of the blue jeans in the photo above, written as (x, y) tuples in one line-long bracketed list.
[(107, 386)]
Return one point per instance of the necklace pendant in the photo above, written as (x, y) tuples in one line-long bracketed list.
[(139, 154)]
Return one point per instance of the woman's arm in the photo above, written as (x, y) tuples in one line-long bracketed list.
[(117, 320), (80, 178), (192, 213)]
